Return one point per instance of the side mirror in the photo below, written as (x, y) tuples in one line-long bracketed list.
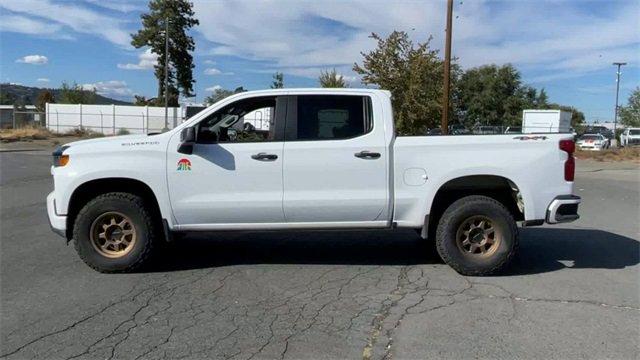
[(187, 139)]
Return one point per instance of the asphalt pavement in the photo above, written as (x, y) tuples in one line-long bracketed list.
[(573, 291)]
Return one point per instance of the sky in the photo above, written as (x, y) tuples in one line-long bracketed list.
[(566, 47)]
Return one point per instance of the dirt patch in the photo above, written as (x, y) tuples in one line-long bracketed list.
[(623, 154), (29, 134), (24, 134)]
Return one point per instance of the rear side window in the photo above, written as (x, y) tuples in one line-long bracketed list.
[(332, 117)]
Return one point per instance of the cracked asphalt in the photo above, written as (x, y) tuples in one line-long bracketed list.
[(573, 292)]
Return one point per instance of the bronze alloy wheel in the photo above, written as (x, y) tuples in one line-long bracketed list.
[(113, 234), (477, 236)]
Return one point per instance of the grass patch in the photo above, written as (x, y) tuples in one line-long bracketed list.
[(621, 154), (82, 133), (24, 134), (40, 133)]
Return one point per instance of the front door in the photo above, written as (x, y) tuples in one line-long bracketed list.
[(234, 175), (335, 162)]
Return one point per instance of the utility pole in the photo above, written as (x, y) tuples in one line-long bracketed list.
[(447, 70), (166, 74), (615, 116)]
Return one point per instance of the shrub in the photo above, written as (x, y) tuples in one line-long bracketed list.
[(123, 131)]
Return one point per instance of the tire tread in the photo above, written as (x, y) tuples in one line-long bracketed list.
[(149, 245), (447, 217)]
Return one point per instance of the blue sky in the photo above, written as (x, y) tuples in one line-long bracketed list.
[(566, 47)]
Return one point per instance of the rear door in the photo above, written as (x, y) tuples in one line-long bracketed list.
[(335, 161)]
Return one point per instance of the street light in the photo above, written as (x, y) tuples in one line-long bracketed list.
[(615, 116)]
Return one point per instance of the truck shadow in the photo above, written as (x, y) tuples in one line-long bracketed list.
[(541, 250)]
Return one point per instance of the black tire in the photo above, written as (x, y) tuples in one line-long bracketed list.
[(460, 213), (141, 220)]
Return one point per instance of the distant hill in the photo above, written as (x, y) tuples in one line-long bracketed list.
[(29, 94)]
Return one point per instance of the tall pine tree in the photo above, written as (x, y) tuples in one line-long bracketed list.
[(180, 15)]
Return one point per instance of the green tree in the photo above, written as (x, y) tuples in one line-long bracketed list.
[(278, 81), (180, 15), (7, 98), (413, 74), (76, 94), (331, 79), (140, 100), (44, 97), (220, 94), (494, 95), (630, 114), (542, 100)]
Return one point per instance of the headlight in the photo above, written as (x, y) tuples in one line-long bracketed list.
[(60, 159)]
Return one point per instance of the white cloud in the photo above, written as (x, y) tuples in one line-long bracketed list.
[(46, 80), (25, 25), (147, 61), (209, 62), (120, 5), (214, 88), (33, 60), (550, 36), (67, 14), (117, 88), (214, 71)]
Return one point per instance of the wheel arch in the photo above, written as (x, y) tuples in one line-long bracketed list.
[(497, 187), (92, 188)]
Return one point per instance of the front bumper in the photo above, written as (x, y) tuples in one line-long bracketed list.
[(57, 222), (563, 208)]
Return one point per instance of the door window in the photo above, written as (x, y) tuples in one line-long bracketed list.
[(247, 120), (329, 117)]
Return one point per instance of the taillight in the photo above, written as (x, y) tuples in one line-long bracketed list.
[(569, 147)]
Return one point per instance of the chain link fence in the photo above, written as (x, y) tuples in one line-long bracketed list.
[(101, 119)]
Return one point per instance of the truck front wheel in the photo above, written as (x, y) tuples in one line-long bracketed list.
[(477, 236), (114, 232)]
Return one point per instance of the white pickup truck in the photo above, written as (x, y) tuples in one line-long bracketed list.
[(315, 159)]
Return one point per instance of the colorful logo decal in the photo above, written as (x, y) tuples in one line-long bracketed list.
[(184, 164)]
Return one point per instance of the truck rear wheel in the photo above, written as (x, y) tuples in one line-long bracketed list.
[(477, 236), (114, 232)]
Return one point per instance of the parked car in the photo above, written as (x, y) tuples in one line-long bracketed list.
[(513, 130), (630, 137), (330, 160), (486, 130), (595, 142), (599, 130), (434, 131), (458, 129)]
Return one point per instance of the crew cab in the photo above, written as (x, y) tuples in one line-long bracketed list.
[(317, 159)]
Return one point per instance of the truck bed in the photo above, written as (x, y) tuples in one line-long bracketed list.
[(533, 163)]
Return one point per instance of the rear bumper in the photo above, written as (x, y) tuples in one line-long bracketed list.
[(57, 222), (563, 208)]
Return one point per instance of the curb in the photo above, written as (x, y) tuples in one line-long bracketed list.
[(20, 150)]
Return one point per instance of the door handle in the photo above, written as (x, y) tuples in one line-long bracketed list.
[(367, 155), (264, 157)]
